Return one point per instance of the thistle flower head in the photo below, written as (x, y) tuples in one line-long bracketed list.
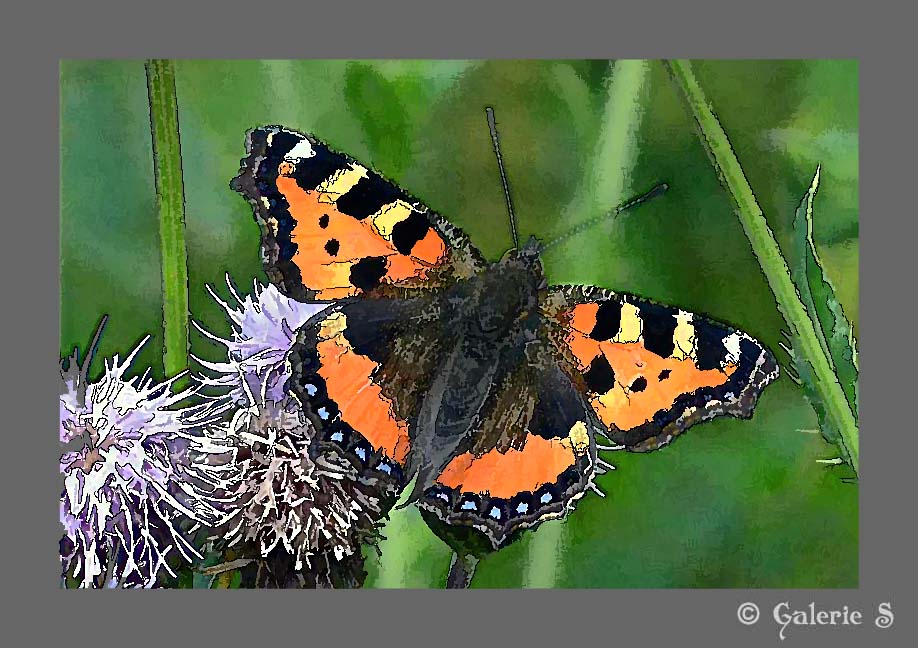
[(264, 327), (301, 512), (297, 507), (124, 468)]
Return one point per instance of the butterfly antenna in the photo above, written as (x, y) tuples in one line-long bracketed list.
[(495, 139), (659, 190)]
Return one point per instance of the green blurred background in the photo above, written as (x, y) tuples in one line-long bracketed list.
[(732, 503)]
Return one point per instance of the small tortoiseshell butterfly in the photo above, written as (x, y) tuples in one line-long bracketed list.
[(480, 378)]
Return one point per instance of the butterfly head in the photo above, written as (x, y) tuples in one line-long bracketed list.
[(527, 258), (531, 248)]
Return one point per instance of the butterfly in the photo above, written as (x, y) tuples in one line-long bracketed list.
[(488, 386)]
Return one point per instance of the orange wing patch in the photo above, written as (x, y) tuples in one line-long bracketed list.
[(348, 379), (645, 383), (629, 382), (506, 474), (331, 243), (582, 317)]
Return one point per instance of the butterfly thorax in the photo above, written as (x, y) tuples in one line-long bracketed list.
[(504, 297)]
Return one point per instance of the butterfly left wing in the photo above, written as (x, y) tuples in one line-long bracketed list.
[(651, 371), (544, 461), (333, 228), (340, 364)]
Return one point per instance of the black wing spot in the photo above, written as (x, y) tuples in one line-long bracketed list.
[(664, 374), (710, 350), (367, 196), (366, 273), (600, 377), (608, 321), (409, 231), (639, 384), (323, 221), (332, 247), (659, 325)]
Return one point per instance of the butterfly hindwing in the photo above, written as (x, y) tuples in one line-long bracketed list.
[(334, 383), (651, 371), (518, 484), (332, 228), (361, 368)]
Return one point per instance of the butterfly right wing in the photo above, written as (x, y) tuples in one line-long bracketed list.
[(651, 371)]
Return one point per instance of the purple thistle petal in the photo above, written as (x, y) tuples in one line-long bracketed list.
[(120, 515), (263, 330)]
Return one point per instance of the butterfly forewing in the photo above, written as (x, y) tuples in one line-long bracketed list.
[(650, 371), (332, 227)]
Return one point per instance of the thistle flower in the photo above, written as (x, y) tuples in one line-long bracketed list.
[(263, 330), (302, 515), (298, 511), (128, 481)]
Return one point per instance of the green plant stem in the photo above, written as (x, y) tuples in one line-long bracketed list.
[(768, 253), (405, 537), (170, 200), (461, 571)]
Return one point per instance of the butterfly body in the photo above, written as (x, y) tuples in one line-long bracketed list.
[(480, 379)]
